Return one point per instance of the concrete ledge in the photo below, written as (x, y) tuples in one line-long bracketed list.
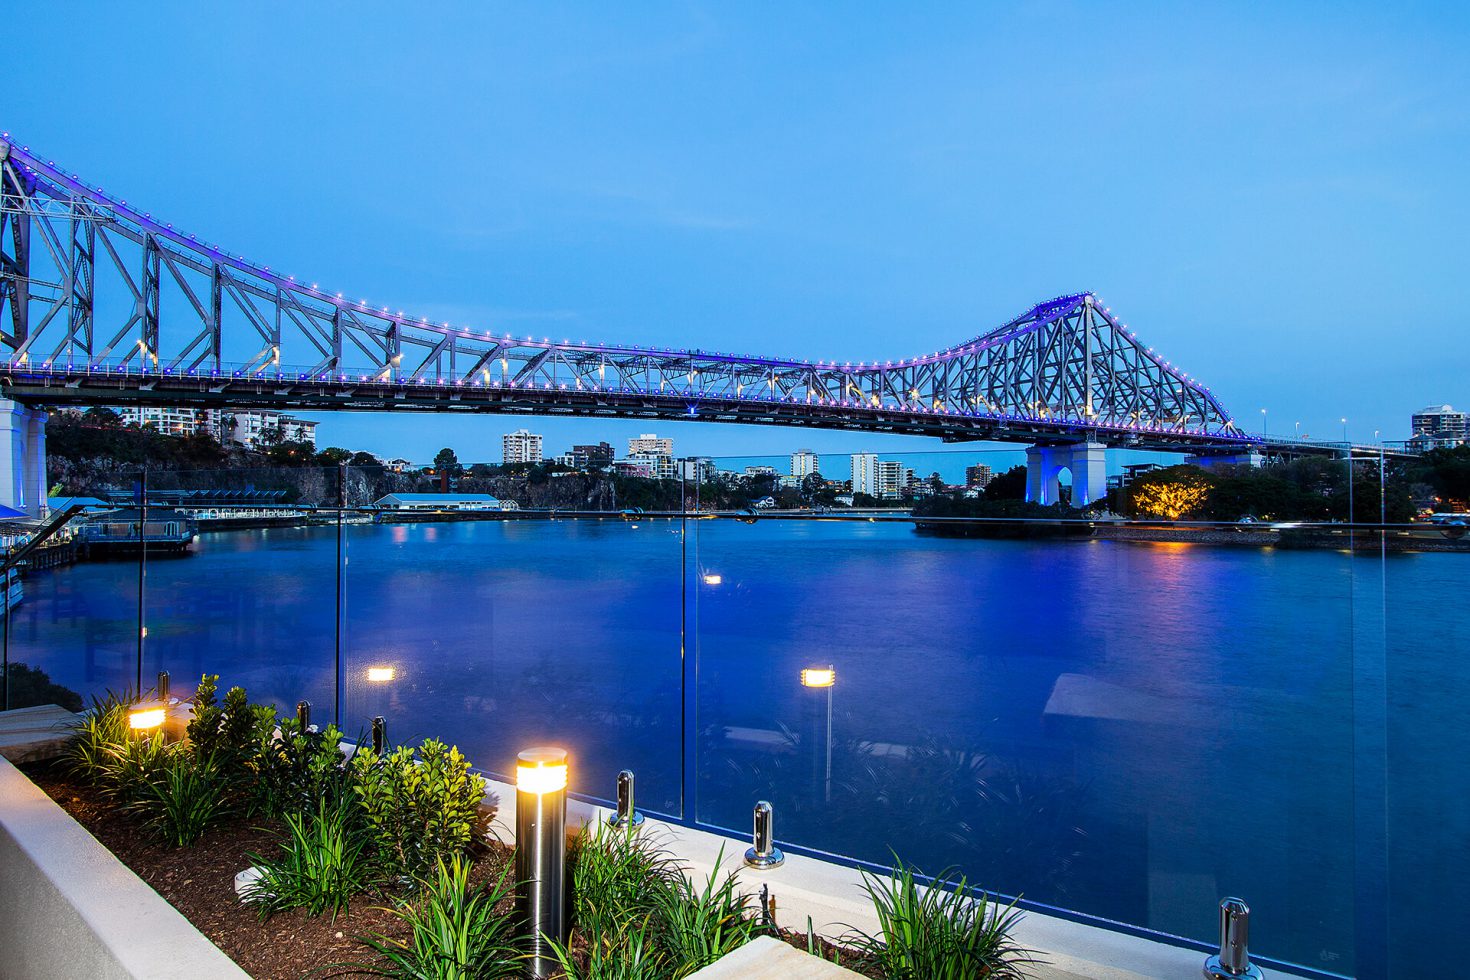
[(33, 734), (68, 908)]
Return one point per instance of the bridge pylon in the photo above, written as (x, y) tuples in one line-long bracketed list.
[(23, 458), (1087, 463)]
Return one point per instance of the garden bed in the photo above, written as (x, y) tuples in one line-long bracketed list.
[(380, 863), (199, 881)]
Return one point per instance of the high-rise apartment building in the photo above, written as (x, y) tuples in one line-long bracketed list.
[(592, 457), (1439, 427), (172, 421), (977, 477), (649, 444), (521, 446), (865, 473), (892, 479), (804, 463)]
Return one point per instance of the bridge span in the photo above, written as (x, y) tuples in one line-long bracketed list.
[(102, 303)]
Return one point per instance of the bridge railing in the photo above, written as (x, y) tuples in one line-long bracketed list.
[(1119, 721)]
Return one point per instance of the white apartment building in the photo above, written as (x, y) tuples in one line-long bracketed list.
[(1439, 427), (660, 466), (893, 478), (804, 463), (697, 469), (521, 446), (256, 428), (171, 421), (649, 444), (865, 473)]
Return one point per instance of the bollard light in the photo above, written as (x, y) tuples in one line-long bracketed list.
[(303, 715), (163, 686), (380, 735), (765, 855), (1234, 960), (147, 715), (627, 815), (541, 851)]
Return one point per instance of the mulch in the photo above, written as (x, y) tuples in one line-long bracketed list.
[(199, 881)]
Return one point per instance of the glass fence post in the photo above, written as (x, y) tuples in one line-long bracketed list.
[(341, 585), (142, 572)]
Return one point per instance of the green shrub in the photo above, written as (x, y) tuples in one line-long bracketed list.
[(181, 796), (458, 932), (615, 875), (30, 686), (295, 770), (422, 814), (698, 926), (322, 864), (939, 932)]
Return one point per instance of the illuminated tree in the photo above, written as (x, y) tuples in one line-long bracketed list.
[(1180, 495)]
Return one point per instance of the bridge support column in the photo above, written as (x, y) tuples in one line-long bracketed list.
[(23, 458), (1086, 461)]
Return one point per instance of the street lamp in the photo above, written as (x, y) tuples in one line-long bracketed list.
[(1298, 430), (1344, 430), (823, 677), (1263, 423)]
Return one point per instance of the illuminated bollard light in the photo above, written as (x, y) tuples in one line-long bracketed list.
[(541, 851), (627, 815), (1234, 961), (765, 855), (380, 735)]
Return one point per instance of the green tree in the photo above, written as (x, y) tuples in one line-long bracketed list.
[(1010, 485), (364, 459), (333, 456), (446, 462), (102, 417)]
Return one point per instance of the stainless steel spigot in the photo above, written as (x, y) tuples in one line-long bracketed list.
[(1234, 961), (627, 815), (765, 855)]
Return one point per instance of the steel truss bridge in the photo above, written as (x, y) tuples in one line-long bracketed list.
[(101, 303)]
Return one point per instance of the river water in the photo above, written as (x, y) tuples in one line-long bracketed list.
[(1131, 731)]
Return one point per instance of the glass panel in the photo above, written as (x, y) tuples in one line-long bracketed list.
[(500, 630), (1132, 729), (73, 603)]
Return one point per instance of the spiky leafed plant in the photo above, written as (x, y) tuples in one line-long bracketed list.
[(323, 862), (182, 798), (615, 875), (939, 932), (699, 925), (457, 931), (628, 952), (103, 727)]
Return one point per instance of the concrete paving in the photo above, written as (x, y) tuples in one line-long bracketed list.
[(764, 958), (34, 734)]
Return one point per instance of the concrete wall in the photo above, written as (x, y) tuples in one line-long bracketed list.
[(68, 908)]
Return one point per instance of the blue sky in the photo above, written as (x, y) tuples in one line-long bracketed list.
[(1273, 195)]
